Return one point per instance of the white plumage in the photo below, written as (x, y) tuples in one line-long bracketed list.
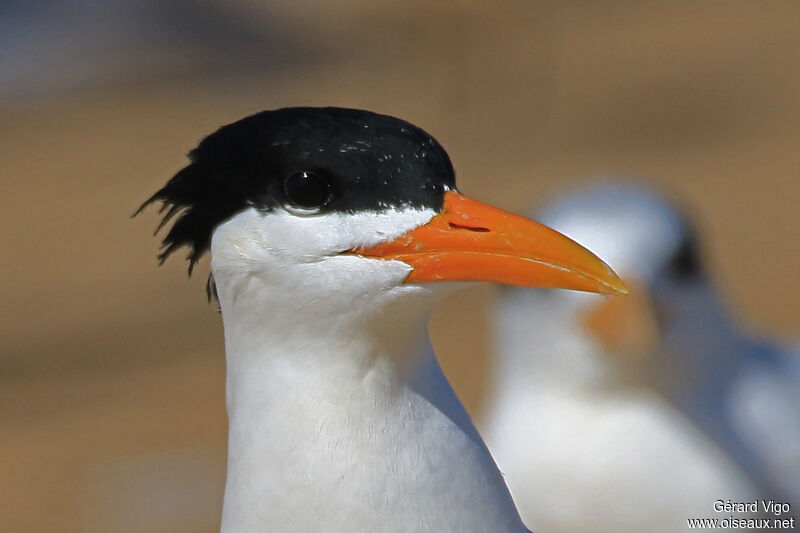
[(323, 352), (648, 409)]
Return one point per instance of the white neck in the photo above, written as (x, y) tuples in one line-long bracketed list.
[(327, 431)]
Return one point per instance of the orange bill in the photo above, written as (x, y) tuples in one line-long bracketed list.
[(472, 241), (627, 328)]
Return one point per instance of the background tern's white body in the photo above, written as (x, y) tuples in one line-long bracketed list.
[(574, 426), (581, 448)]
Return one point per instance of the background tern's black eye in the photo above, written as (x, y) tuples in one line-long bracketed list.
[(307, 190), (685, 264)]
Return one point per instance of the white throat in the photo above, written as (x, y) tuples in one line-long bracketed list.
[(329, 428)]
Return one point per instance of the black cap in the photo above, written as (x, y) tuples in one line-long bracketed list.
[(318, 159)]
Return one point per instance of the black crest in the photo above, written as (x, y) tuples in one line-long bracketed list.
[(366, 161)]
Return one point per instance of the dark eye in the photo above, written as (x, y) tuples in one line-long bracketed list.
[(685, 263), (307, 190)]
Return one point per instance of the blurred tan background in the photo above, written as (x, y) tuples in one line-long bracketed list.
[(111, 370)]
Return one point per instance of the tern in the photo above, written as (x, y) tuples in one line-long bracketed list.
[(333, 232), (648, 408)]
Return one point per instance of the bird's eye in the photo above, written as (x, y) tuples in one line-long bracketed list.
[(685, 263), (307, 190)]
